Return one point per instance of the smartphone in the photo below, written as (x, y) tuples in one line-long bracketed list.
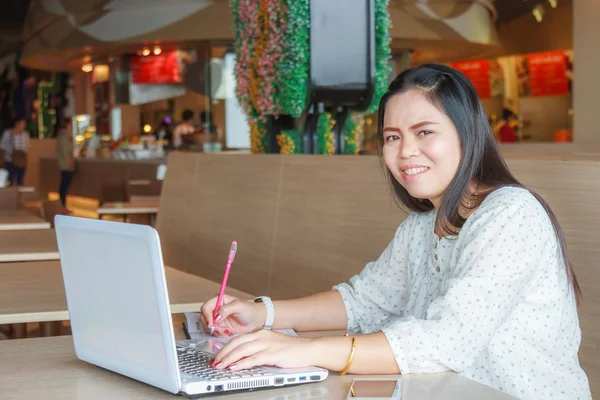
[(375, 389)]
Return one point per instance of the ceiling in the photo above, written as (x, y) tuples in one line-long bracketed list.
[(12, 18), (13, 13), (509, 10)]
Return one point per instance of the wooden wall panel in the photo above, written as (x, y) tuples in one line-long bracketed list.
[(96, 175), (572, 189), (336, 214), (235, 200), (174, 221)]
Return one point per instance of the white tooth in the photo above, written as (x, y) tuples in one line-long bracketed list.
[(412, 171)]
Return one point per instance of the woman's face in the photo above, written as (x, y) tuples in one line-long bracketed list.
[(19, 126), (421, 145)]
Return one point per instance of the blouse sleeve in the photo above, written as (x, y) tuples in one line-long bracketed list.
[(502, 251), (380, 289), (5, 141)]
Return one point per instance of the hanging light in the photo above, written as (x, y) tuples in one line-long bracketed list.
[(538, 12), (146, 51), (553, 3), (87, 67), (157, 50)]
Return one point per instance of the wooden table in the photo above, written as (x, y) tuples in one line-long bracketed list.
[(21, 220), (31, 245), (47, 368), (34, 292)]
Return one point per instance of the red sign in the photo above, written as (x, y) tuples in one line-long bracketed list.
[(548, 73), (163, 68), (478, 73)]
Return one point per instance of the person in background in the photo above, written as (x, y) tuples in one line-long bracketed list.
[(507, 133), (184, 128), (477, 279), (65, 157), (15, 143)]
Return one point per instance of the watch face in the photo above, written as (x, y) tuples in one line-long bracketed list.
[(259, 300)]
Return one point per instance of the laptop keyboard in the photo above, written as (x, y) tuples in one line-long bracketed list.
[(194, 362)]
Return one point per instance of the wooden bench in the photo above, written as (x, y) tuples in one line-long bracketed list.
[(305, 223)]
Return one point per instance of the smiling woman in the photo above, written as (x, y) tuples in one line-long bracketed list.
[(477, 279)]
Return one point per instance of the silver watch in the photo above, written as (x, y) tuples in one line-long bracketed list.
[(270, 310)]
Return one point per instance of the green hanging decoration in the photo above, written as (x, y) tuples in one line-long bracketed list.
[(383, 53), (294, 66), (290, 142), (351, 131), (325, 125)]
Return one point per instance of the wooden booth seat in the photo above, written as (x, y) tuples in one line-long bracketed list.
[(305, 223)]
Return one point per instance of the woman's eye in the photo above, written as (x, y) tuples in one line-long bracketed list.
[(391, 138), (423, 133)]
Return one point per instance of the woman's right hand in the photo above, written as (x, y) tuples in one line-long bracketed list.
[(234, 317)]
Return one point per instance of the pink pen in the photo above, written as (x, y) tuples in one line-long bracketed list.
[(232, 252)]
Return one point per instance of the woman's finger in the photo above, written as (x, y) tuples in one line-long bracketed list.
[(203, 322), (256, 360), (245, 350), (232, 345), (207, 311)]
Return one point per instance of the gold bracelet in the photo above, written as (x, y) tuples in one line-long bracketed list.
[(345, 370)]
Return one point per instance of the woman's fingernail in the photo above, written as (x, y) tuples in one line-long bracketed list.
[(218, 318), (230, 333), (227, 331), (218, 364), (212, 362), (233, 366)]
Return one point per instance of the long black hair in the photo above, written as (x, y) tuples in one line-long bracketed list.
[(481, 162)]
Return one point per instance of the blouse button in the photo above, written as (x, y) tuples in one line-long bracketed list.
[(436, 245), (435, 256), (437, 268)]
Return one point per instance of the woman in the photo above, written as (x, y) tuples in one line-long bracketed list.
[(15, 143), (65, 158), (477, 279), (184, 128), (507, 133)]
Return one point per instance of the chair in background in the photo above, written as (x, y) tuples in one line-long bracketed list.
[(143, 190), (51, 208), (112, 193), (9, 198)]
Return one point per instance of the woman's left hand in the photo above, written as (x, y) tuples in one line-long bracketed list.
[(265, 348)]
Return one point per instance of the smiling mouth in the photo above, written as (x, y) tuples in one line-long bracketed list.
[(415, 171)]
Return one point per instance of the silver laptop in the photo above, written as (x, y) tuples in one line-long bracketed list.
[(120, 314)]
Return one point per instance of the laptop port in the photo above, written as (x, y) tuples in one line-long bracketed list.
[(291, 379), (279, 381), (218, 388), (302, 378), (315, 378)]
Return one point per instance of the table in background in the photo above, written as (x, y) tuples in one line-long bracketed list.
[(130, 208), (28, 245), (21, 220), (34, 292)]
